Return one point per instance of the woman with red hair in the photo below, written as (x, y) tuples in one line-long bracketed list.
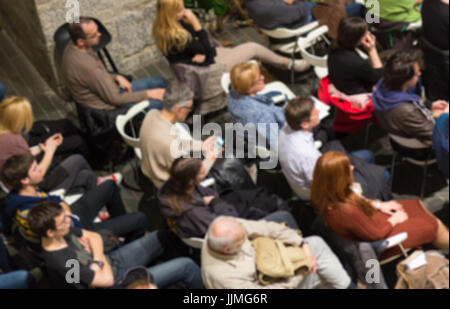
[(352, 216)]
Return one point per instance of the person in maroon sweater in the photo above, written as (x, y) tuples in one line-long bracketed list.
[(351, 216)]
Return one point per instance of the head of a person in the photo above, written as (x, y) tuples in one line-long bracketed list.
[(178, 100), (48, 220), (20, 171), (185, 174), (351, 31), (402, 70), (226, 235), (301, 114), (84, 34), (167, 30), (16, 115), (246, 79), (332, 184), (138, 278)]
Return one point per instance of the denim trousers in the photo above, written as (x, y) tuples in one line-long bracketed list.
[(369, 157), (14, 280), (144, 251), (282, 216), (353, 10), (2, 92), (146, 84), (122, 224)]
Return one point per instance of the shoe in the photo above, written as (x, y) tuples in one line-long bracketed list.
[(116, 177), (299, 65)]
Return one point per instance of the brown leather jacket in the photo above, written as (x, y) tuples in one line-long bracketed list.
[(406, 120)]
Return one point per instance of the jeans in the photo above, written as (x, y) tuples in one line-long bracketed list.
[(14, 280), (2, 92), (368, 156), (145, 251), (282, 216), (149, 83), (353, 10), (130, 225)]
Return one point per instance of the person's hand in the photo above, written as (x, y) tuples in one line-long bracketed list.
[(52, 142), (156, 94), (199, 58), (439, 107), (398, 217), (369, 42), (207, 199), (391, 207), (308, 253), (189, 17), (124, 83), (289, 1), (209, 149)]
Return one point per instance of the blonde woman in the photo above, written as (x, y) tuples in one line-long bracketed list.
[(180, 37), (16, 118)]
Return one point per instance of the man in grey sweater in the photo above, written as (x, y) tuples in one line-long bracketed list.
[(91, 84)]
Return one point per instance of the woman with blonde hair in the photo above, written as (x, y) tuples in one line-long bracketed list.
[(180, 37), (16, 120), (352, 216)]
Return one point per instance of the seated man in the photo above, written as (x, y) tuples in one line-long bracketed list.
[(298, 154), (91, 84), (22, 172), (399, 111), (62, 243), (292, 14), (228, 257)]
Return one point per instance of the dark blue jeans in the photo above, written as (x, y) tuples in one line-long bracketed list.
[(144, 252), (282, 216), (14, 280), (146, 84), (2, 92), (129, 225), (353, 10), (368, 156)]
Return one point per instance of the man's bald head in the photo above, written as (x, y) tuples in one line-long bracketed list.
[(226, 235)]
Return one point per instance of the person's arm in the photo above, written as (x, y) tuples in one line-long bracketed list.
[(199, 48), (49, 148), (272, 230), (417, 125)]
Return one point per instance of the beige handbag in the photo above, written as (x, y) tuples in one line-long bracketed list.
[(275, 260)]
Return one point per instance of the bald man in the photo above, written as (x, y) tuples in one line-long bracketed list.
[(228, 257)]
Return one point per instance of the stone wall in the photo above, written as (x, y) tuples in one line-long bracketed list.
[(128, 21)]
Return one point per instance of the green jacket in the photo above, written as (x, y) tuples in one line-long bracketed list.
[(397, 10)]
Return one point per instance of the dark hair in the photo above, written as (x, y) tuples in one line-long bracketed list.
[(399, 68), (350, 32), (41, 217), (76, 30), (15, 169), (183, 171), (298, 110)]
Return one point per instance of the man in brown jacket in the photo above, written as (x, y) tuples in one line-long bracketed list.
[(91, 84)]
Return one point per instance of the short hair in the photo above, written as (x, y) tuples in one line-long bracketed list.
[(298, 110), (218, 243), (41, 217), (76, 30), (350, 32), (243, 76), (16, 115), (399, 68), (15, 169), (177, 94)]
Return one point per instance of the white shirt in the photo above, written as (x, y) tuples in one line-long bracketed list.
[(298, 156)]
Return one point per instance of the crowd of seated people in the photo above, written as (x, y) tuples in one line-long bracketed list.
[(237, 222)]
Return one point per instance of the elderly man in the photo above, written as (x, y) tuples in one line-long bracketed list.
[(228, 257), (91, 84)]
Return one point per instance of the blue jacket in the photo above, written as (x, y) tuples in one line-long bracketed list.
[(441, 144), (256, 110)]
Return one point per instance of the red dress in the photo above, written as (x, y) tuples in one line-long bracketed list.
[(350, 222)]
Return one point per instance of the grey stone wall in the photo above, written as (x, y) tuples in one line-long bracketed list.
[(128, 21)]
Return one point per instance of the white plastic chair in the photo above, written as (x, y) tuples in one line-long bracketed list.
[(193, 242), (121, 122), (319, 62), (415, 145)]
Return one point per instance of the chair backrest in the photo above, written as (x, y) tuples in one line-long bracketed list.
[(406, 142), (308, 41), (193, 242), (285, 33), (122, 120)]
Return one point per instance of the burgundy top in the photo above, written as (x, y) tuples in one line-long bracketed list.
[(350, 222)]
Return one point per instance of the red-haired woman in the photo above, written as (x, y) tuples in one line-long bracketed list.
[(352, 216)]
